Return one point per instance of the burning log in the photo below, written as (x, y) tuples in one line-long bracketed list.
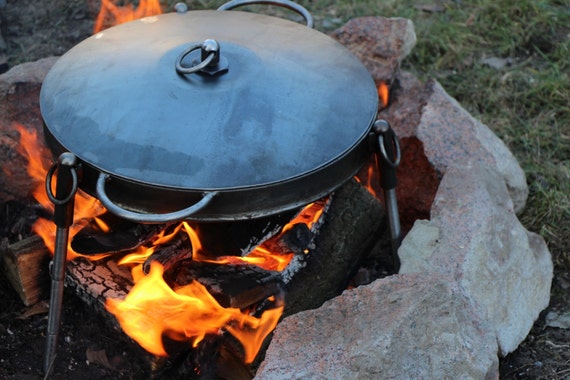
[(217, 358), (108, 233), (232, 285), (324, 260), (351, 227), (169, 255)]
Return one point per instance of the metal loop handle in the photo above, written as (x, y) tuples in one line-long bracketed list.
[(200, 66), (382, 129), (281, 3), (397, 156), (148, 218), (51, 196)]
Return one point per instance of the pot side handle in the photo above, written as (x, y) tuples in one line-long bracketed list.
[(281, 3), (140, 217)]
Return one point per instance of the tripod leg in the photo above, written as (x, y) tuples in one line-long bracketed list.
[(64, 199)]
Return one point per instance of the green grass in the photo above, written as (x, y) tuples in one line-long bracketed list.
[(526, 103)]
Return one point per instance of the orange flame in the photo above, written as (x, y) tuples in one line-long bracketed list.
[(111, 14), (152, 309), (86, 207), (383, 92)]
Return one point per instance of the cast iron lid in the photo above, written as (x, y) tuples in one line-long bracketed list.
[(292, 101)]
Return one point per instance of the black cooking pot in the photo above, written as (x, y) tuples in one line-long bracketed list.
[(210, 115)]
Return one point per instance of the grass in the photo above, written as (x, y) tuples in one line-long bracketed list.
[(526, 103)]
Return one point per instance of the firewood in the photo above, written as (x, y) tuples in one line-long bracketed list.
[(96, 281), (232, 285), (240, 236), (296, 240), (217, 357), (326, 258), (123, 235), (179, 249), (352, 225), (26, 266)]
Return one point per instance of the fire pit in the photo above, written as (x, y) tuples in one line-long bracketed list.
[(213, 127), (421, 117)]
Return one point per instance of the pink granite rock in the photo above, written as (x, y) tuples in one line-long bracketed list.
[(19, 103), (380, 43), (401, 327), (475, 236)]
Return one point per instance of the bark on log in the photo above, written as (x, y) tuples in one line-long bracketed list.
[(96, 281), (351, 227)]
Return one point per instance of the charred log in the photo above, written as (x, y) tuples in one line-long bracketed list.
[(297, 239), (240, 236), (232, 285), (111, 234), (218, 357), (168, 255)]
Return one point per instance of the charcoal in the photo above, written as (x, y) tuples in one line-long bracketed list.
[(123, 236)]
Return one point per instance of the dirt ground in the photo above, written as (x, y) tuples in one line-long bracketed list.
[(92, 349)]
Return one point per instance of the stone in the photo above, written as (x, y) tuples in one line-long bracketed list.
[(410, 326), (558, 320), (452, 137), (31, 73), (19, 105), (379, 43), (475, 236)]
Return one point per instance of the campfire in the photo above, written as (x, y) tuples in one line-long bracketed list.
[(152, 308), (159, 308), (184, 290), (135, 273)]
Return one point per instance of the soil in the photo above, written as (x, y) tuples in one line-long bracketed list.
[(89, 347)]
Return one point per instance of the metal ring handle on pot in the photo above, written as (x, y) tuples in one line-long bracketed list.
[(148, 218), (189, 70), (50, 195), (281, 3)]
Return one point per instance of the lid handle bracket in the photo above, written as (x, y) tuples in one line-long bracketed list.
[(212, 63)]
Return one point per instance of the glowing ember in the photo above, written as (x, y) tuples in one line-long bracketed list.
[(112, 14), (383, 93)]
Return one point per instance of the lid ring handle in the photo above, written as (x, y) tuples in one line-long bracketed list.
[(200, 66)]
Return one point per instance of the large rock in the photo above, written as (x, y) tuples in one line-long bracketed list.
[(449, 135), (401, 327), (453, 137), (475, 236), (19, 105), (380, 43)]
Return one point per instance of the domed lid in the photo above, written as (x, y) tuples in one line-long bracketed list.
[(283, 100)]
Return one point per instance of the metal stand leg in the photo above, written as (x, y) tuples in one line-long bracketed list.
[(64, 199), (388, 159)]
